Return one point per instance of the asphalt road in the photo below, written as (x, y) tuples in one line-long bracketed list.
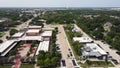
[(19, 27)]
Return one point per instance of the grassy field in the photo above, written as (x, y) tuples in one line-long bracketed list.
[(27, 66), (1, 34), (5, 66)]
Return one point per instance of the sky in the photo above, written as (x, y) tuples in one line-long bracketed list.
[(59, 3)]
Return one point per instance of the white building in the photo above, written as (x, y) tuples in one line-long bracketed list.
[(6, 47), (33, 32), (18, 35), (46, 35), (43, 46), (92, 50), (83, 39)]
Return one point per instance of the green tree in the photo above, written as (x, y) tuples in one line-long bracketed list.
[(40, 63), (47, 62), (13, 31)]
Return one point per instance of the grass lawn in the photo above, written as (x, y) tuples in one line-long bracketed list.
[(27, 66), (96, 64), (1, 34), (5, 66)]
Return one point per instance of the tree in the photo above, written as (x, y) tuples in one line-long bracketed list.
[(40, 63), (97, 34), (13, 31), (47, 62), (54, 61), (77, 34)]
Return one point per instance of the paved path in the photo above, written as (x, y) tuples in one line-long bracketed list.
[(104, 46)]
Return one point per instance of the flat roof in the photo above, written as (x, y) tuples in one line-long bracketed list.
[(43, 46), (47, 33), (31, 38), (34, 26), (2, 20), (3, 54), (93, 49), (82, 39), (19, 34), (33, 31), (5, 45), (48, 28)]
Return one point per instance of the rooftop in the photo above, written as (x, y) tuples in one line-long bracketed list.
[(5, 45), (33, 31), (35, 26), (92, 49), (31, 38), (82, 39), (19, 34), (47, 33), (43, 46)]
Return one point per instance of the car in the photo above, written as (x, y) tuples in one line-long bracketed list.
[(69, 49), (109, 57), (111, 47), (107, 53), (115, 61), (68, 55), (118, 52), (74, 63), (63, 63), (71, 54)]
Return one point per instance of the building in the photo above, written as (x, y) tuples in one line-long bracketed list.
[(48, 29), (46, 35), (18, 35), (6, 47), (107, 26), (35, 27), (43, 46), (33, 32), (92, 50), (83, 39)]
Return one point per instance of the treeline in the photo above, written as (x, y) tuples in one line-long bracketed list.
[(12, 18), (37, 21), (91, 21)]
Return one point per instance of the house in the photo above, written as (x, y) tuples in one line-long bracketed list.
[(107, 26), (92, 50)]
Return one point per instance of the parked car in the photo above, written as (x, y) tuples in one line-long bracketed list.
[(115, 61), (109, 57), (63, 63), (118, 52)]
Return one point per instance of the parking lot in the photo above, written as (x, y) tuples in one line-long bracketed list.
[(65, 49)]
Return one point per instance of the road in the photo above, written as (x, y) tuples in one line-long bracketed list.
[(19, 27), (64, 47), (112, 52)]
